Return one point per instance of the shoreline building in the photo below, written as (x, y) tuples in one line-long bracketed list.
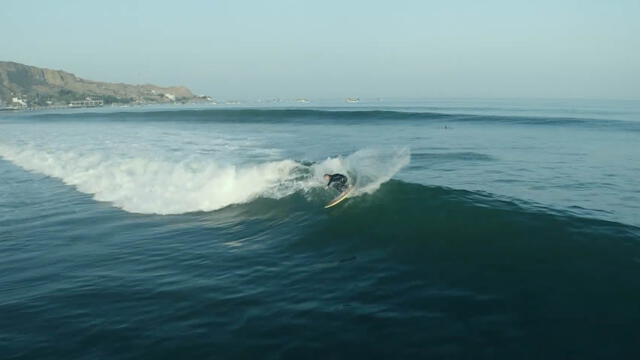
[(88, 102)]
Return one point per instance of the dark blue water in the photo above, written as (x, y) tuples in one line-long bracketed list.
[(478, 231)]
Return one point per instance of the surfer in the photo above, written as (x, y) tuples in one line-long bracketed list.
[(336, 181)]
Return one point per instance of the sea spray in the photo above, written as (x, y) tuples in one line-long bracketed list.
[(163, 186), (367, 168)]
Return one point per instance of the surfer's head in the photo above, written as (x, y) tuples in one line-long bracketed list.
[(327, 177)]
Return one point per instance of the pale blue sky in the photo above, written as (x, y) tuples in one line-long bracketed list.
[(330, 48)]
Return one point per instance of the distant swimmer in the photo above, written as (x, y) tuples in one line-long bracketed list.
[(337, 181)]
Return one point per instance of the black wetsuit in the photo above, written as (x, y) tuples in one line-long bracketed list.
[(338, 182)]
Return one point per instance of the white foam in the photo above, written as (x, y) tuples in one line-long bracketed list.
[(167, 186), (367, 168)]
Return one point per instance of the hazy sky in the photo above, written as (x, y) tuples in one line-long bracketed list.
[(336, 48)]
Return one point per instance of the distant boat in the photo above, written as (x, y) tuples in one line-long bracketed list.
[(352, 100)]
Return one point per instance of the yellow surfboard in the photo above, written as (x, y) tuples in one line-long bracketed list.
[(339, 198)]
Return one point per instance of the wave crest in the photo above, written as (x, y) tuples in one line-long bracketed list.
[(160, 186)]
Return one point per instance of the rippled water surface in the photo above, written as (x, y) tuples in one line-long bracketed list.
[(478, 230)]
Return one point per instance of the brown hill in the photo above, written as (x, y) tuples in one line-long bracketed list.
[(40, 87)]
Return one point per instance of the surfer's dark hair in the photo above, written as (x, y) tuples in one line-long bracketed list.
[(329, 175)]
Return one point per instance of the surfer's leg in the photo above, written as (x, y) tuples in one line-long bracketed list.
[(343, 184)]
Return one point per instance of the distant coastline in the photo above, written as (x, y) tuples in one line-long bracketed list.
[(24, 87)]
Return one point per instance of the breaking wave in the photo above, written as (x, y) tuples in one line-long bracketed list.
[(162, 186)]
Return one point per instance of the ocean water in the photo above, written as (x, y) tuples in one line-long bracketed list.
[(479, 230)]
